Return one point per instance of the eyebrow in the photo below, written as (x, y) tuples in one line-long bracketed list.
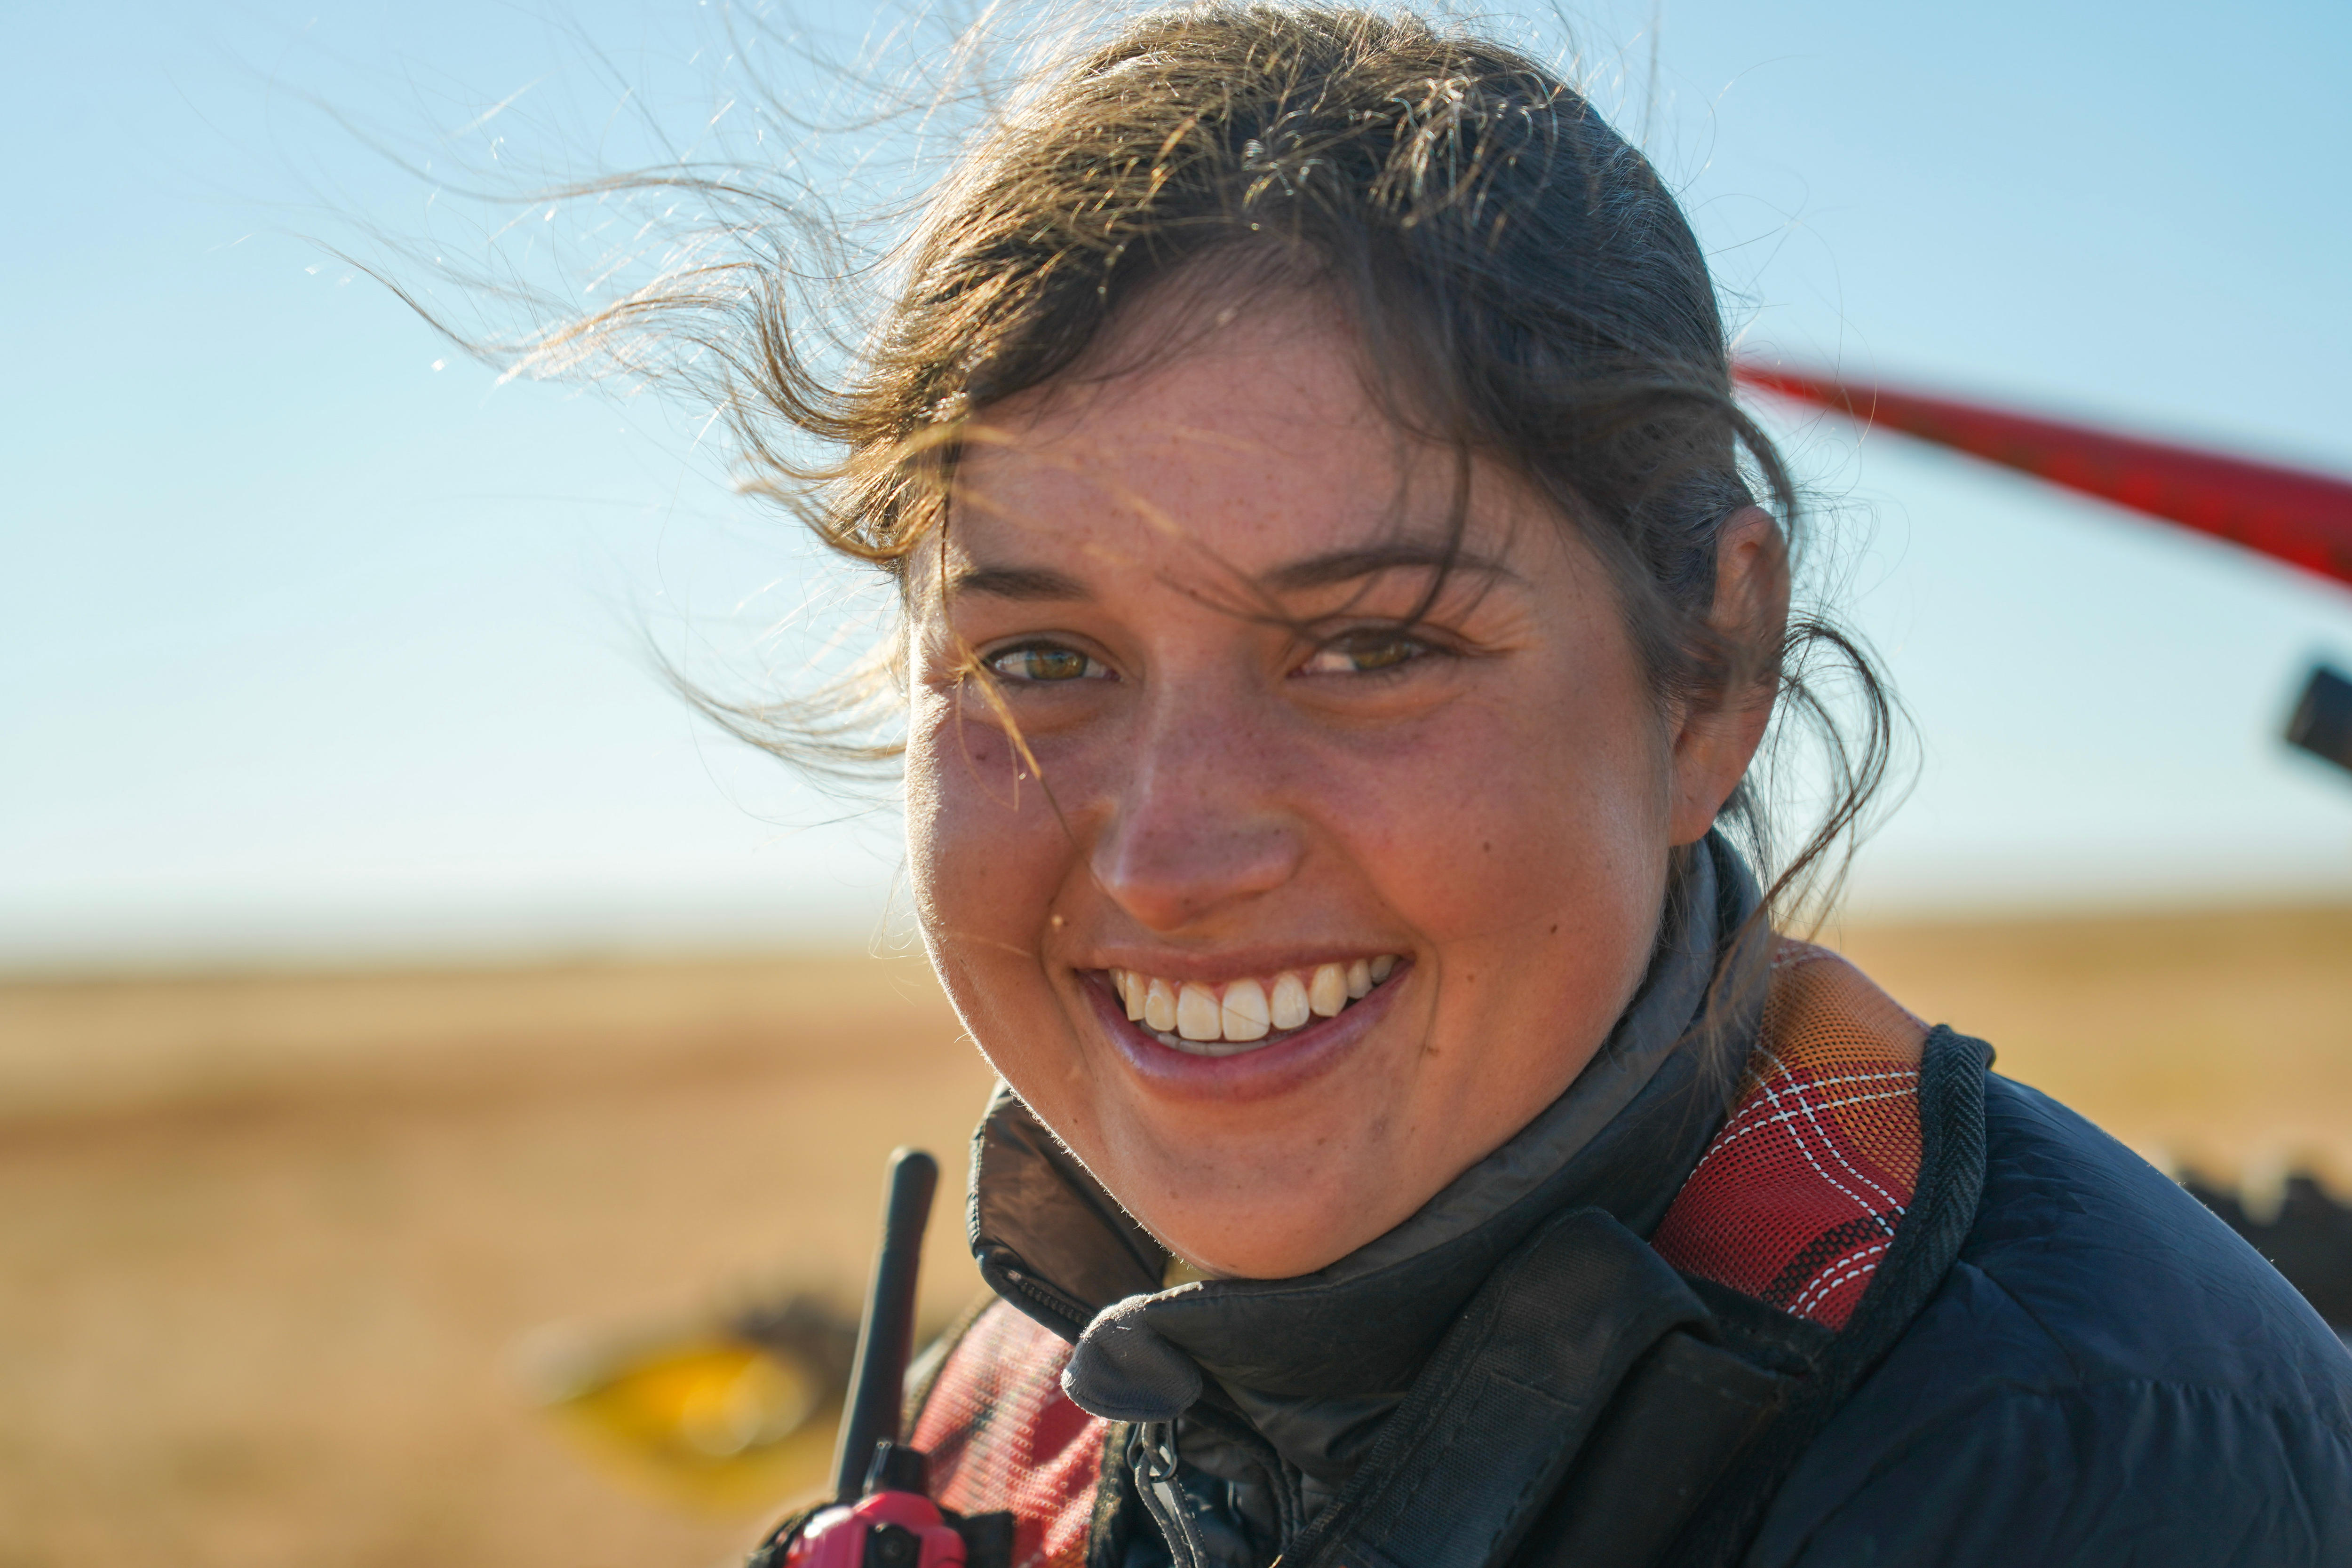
[(1036, 582), (1027, 582), (1406, 555)]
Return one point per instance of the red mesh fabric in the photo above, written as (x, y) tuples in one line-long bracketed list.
[(1001, 1435), (1796, 1198)]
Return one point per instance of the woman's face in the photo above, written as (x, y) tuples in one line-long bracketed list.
[(1279, 917)]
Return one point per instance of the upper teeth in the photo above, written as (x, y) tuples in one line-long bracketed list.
[(1189, 1015)]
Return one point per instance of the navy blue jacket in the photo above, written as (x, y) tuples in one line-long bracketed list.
[(2107, 1375)]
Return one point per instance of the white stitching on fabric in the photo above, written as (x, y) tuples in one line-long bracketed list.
[(1813, 1115), (1821, 1286), (1741, 1125), (1797, 1090), (1804, 1146)]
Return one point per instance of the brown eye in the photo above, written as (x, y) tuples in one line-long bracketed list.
[(1366, 652), (1044, 664)]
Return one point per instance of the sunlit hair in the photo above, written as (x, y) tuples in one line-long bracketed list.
[(1523, 289)]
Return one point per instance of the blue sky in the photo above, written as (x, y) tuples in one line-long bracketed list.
[(310, 647)]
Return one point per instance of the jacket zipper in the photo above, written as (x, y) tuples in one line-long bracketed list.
[(1045, 1296), (1151, 1456)]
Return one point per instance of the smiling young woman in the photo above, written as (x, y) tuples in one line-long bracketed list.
[(1342, 605), (1296, 928)]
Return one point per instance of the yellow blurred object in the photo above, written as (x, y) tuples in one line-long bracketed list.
[(728, 1421)]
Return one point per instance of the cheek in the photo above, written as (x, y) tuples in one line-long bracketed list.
[(986, 857), (961, 794), (1521, 820)]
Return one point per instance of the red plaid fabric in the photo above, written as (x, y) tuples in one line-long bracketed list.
[(1795, 1201), (1003, 1435)]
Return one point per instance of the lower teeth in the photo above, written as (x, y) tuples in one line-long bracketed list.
[(1222, 1047)]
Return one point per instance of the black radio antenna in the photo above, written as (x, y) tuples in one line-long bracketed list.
[(877, 1385)]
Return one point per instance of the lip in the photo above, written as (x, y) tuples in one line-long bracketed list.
[(1265, 1073)]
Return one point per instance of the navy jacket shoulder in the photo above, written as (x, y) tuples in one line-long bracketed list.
[(2108, 1374)]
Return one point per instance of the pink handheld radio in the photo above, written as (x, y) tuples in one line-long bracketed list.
[(882, 1515), (893, 1525)]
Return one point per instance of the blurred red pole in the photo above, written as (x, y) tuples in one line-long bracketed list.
[(2291, 515)]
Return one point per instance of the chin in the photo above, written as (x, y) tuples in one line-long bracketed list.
[(1269, 1207), (1255, 1244)]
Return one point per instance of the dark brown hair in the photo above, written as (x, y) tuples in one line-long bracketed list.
[(1525, 285)]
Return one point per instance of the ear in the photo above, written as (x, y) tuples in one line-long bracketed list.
[(1713, 744)]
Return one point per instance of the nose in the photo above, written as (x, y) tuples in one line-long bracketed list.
[(1196, 822)]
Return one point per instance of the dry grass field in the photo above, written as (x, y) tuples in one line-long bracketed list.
[(267, 1244), (2221, 1042)]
